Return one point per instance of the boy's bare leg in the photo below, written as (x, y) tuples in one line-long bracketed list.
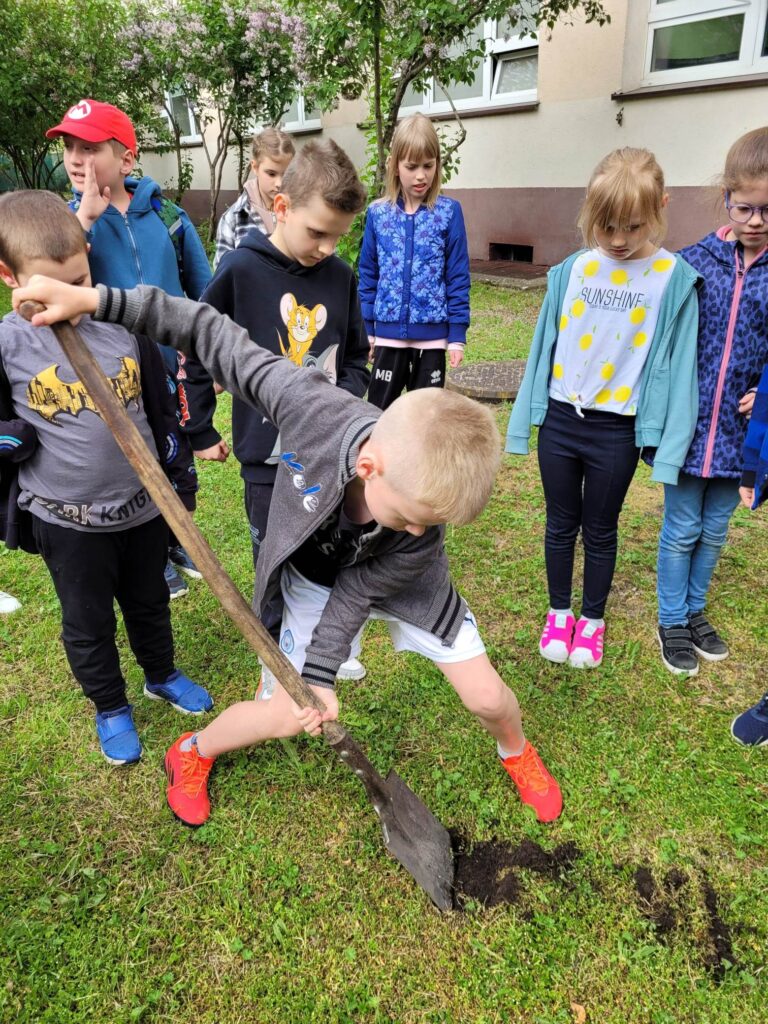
[(249, 722), (483, 692)]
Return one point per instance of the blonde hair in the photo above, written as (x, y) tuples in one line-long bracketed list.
[(37, 225), (271, 142), (415, 139), (747, 160), (441, 449), (625, 184)]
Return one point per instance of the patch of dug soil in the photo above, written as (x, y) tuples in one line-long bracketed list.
[(659, 904), (488, 872), (721, 952)]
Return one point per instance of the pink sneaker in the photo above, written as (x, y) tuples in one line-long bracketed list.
[(587, 647), (556, 640)]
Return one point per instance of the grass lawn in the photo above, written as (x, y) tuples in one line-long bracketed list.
[(286, 907)]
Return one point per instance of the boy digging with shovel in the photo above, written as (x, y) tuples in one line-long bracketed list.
[(355, 532)]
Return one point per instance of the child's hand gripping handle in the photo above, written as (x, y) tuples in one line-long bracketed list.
[(179, 519)]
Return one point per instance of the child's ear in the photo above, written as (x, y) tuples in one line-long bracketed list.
[(368, 462), (665, 200), (7, 276), (254, 165), (127, 163), (281, 205)]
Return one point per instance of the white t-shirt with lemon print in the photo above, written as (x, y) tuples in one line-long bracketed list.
[(606, 324)]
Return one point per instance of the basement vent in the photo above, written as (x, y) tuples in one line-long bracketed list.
[(513, 253)]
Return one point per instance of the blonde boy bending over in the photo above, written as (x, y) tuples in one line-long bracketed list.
[(356, 530)]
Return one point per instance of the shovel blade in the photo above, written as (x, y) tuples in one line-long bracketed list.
[(415, 838)]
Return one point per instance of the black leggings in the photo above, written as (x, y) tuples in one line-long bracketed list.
[(586, 465)]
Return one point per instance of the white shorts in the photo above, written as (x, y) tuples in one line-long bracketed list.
[(304, 602)]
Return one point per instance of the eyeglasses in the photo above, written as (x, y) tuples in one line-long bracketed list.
[(742, 213)]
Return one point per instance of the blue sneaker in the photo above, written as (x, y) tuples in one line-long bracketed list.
[(117, 734), (180, 558), (176, 585), (751, 727), (181, 693)]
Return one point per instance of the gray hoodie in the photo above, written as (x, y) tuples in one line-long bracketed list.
[(322, 428)]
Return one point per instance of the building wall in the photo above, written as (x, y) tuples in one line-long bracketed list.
[(522, 174)]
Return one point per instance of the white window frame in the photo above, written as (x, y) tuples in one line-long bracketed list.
[(495, 50), (195, 137), (302, 122), (685, 12)]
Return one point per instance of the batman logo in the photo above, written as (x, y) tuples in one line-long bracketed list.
[(50, 396)]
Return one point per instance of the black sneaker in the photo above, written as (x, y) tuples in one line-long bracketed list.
[(707, 644), (176, 585), (180, 558), (677, 651)]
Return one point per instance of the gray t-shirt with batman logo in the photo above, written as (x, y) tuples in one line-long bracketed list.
[(77, 477)]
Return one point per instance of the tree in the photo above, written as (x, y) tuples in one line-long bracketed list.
[(237, 62), (380, 48), (52, 53)]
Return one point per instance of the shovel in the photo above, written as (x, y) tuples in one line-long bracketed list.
[(411, 832)]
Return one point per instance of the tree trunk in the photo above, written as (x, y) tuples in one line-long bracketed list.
[(381, 149)]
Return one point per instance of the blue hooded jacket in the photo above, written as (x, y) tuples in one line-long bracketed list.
[(732, 350), (136, 248)]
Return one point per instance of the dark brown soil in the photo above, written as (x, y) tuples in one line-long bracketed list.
[(659, 904), (721, 953), (489, 872)]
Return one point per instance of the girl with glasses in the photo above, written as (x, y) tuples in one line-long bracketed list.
[(732, 349), (612, 370)]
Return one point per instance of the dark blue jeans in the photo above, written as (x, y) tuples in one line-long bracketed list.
[(586, 465)]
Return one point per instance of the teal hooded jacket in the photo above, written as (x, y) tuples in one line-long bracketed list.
[(668, 406)]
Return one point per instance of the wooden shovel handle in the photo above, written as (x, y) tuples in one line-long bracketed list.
[(179, 519)]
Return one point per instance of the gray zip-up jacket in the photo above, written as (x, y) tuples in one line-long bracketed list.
[(322, 428)]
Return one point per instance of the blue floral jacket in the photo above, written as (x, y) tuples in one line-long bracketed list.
[(414, 272)]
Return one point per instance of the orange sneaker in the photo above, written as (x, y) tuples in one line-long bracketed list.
[(187, 791), (536, 786)]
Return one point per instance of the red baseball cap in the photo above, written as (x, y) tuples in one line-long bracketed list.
[(96, 122)]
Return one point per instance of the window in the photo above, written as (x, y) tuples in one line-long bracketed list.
[(689, 40), (508, 74), (298, 119), (184, 116)]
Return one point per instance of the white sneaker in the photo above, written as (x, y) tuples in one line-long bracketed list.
[(9, 604), (351, 669)]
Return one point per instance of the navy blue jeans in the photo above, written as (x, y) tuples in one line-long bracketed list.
[(586, 465)]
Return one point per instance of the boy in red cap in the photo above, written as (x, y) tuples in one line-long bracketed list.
[(136, 236)]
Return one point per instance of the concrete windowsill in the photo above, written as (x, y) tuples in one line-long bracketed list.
[(489, 111), (705, 85)]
